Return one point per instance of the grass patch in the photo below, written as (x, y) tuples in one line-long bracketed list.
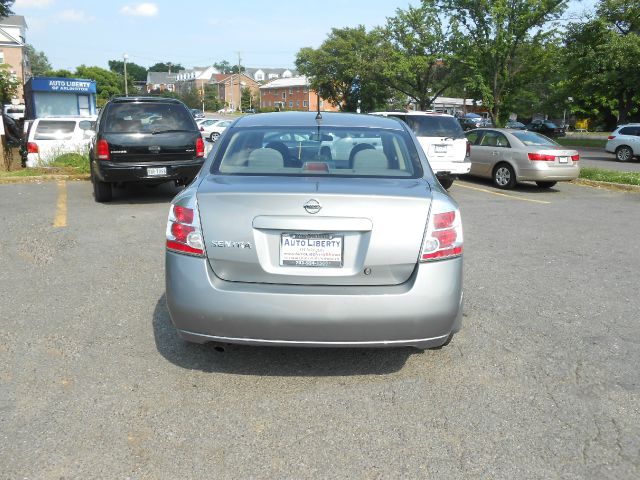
[(612, 176), (581, 142), (80, 163)]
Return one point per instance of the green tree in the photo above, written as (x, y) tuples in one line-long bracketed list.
[(211, 100), (223, 66), (344, 68), (493, 34), (602, 61), (38, 61), (8, 84), (5, 8), (108, 83), (416, 54), (134, 71), (248, 100), (63, 73), (165, 67)]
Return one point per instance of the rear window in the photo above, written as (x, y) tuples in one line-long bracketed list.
[(54, 130), (531, 139), (434, 126), (326, 151), (629, 131), (148, 118)]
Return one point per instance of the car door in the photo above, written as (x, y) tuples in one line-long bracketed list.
[(484, 153)]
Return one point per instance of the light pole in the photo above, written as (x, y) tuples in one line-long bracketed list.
[(126, 88)]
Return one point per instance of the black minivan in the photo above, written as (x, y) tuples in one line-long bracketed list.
[(144, 140)]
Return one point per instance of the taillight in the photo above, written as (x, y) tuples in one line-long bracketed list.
[(183, 230), (102, 150), (468, 148), (542, 157), (444, 233), (575, 158), (32, 147), (611, 137), (199, 147)]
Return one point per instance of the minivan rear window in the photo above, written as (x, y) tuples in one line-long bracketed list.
[(434, 126), (148, 118), (54, 130), (326, 151)]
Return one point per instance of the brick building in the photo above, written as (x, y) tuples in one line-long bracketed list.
[(12, 42), (292, 94)]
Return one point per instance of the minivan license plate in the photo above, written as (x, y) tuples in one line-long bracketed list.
[(311, 250), (154, 172)]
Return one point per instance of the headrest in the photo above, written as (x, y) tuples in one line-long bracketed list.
[(265, 157), (370, 159)]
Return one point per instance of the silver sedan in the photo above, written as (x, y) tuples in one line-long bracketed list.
[(340, 236), (512, 156)]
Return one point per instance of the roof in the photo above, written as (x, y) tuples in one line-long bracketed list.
[(308, 119), (14, 20), (300, 81), (144, 99), (160, 78), (413, 112)]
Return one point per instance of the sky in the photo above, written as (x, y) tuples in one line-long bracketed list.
[(192, 32)]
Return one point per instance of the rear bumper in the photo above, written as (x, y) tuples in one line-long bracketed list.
[(137, 172), (450, 168), (550, 173), (421, 312)]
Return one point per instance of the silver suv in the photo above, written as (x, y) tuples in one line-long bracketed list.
[(624, 142), (443, 141)]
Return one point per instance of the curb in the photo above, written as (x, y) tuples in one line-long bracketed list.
[(618, 187), (43, 178)]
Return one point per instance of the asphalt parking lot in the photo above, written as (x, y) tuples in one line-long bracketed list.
[(542, 382), (599, 158)]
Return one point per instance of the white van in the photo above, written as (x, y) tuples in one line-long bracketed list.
[(14, 111), (442, 140), (50, 137)]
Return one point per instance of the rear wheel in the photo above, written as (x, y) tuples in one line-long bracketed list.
[(546, 184), (504, 176), (214, 136), (624, 153), (446, 182), (102, 191)]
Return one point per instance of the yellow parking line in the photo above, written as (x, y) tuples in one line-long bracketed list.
[(501, 194), (60, 219)]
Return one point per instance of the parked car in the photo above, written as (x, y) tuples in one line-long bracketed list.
[(226, 110), (215, 130), (197, 113), (546, 127), (264, 250), (624, 142), (144, 140), (442, 139), (514, 125), (205, 125), (511, 156), (15, 111), (50, 137)]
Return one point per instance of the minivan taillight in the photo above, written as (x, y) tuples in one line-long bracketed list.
[(444, 233), (102, 150), (199, 148), (183, 230), (32, 147)]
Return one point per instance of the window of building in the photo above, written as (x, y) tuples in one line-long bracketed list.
[(1, 56), (290, 89), (290, 103), (297, 103), (305, 103), (284, 94)]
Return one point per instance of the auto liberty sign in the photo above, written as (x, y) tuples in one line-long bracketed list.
[(66, 85)]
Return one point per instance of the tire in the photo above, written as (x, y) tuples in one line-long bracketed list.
[(624, 153), (214, 136), (546, 184), (102, 191), (446, 182), (504, 176)]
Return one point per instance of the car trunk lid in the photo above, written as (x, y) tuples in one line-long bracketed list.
[(365, 231)]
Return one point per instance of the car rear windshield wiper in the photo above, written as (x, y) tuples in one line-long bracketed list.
[(156, 132)]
